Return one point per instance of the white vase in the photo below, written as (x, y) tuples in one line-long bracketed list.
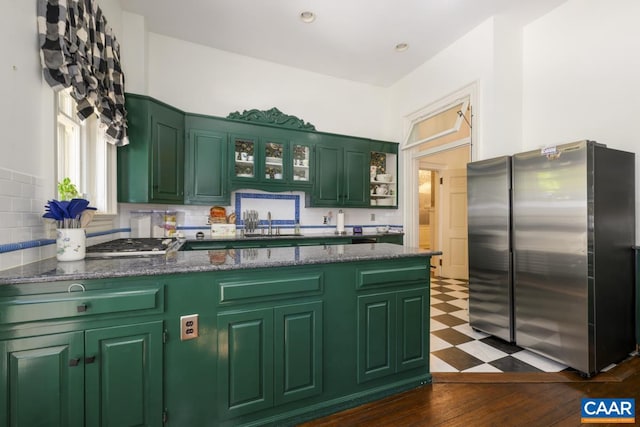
[(71, 244)]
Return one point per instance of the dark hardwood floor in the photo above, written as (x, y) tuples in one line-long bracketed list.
[(488, 399)]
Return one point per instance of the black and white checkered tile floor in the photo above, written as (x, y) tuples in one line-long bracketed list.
[(456, 347)]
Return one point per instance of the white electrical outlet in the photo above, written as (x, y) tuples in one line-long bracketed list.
[(188, 327)]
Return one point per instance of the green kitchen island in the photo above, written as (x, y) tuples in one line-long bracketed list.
[(257, 336)]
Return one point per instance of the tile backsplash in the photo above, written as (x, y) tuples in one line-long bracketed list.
[(286, 208), (22, 200), (25, 236)]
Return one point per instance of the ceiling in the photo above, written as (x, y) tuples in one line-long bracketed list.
[(350, 39)]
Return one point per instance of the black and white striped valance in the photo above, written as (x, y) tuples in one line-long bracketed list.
[(78, 50)]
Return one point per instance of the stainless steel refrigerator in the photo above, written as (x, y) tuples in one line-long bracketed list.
[(490, 258), (572, 222)]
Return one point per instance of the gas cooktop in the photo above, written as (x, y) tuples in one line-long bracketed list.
[(132, 247)]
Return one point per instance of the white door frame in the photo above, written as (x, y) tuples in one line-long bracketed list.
[(411, 156)]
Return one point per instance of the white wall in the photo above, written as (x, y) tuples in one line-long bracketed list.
[(581, 74), (203, 80), (581, 77)]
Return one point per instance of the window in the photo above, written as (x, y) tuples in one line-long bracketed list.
[(443, 125), (85, 156)]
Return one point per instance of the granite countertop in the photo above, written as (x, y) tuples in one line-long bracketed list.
[(51, 270)]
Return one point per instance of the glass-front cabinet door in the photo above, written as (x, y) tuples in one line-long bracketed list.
[(301, 161), (274, 161), (244, 157)]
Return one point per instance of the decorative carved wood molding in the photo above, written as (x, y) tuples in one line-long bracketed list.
[(272, 117)]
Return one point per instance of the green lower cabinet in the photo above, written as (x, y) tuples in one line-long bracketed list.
[(268, 357), (393, 334), (123, 375), (100, 377), (43, 381)]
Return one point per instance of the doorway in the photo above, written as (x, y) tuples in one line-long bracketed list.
[(436, 152), (443, 212)]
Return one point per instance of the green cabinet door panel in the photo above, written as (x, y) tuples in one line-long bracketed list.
[(341, 174), (167, 148), (356, 178), (298, 351), (151, 167), (123, 368), (328, 178), (245, 362), (206, 172), (269, 357), (393, 334), (412, 329), (25, 308), (43, 381), (376, 336)]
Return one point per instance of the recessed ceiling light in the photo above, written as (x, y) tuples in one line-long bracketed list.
[(307, 17), (401, 47)]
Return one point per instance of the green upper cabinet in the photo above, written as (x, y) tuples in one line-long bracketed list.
[(206, 173), (342, 173), (274, 161), (220, 155), (151, 167)]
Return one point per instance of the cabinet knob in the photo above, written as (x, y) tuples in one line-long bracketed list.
[(74, 362), (88, 360), (82, 308)]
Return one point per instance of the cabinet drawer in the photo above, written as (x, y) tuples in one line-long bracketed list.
[(78, 304), (260, 288), (392, 276)]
